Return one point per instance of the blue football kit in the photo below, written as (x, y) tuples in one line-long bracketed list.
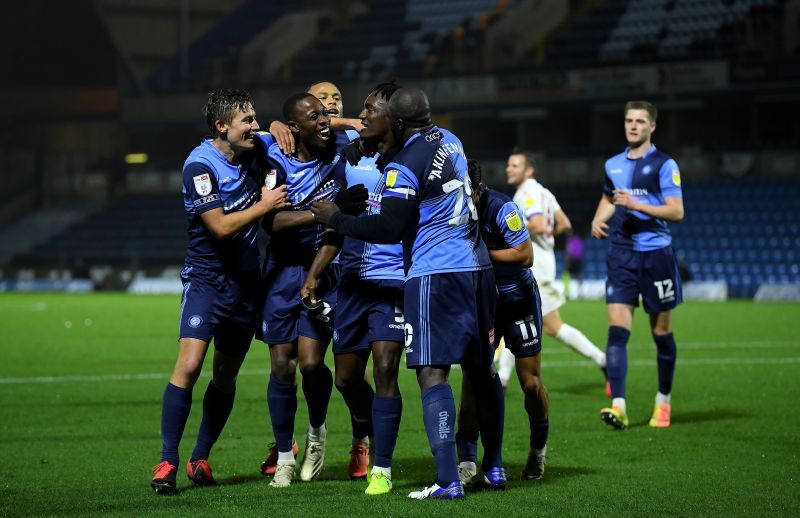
[(220, 277), (291, 252), (449, 293), (519, 310), (641, 259), (370, 295)]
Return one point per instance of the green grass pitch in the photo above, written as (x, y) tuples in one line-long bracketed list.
[(81, 378)]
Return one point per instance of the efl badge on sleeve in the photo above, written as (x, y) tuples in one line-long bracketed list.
[(202, 184), (513, 221), (271, 179), (391, 178), (530, 201), (676, 177)]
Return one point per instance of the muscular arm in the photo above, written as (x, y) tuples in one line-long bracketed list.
[(290, 219), (387, 227), (563, 224), (521, 255), (671, 211), (322, 260), (340, 123), (605, 211), (224, 226)]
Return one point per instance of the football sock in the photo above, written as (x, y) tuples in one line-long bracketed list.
[(217, 406), (359, 400), (175, 406), (619, 402), (286, 457), (490, 401), (317, 388), (617, 359), (282, 401), (467, 446), (506, 365), (578, 342), (379, 469), (317, 433), (386, 412), (662, 398), (667, 353), (539, 432), (438, 414)]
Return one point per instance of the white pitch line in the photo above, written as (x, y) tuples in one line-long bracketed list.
[(551, 349), (263, 372)]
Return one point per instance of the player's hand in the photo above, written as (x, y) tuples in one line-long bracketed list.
[(623, 199), (352, 152), (283, 136), (353, 200), (323, 211), (274, 199), (309, 289), (599, 229)]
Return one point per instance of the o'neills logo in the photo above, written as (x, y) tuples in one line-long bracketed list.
[(444, 430)]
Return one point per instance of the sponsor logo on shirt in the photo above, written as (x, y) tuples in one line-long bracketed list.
[(202, 184), (206, 199), (513, 221), (646, 169), (676, 177), (616, 171)]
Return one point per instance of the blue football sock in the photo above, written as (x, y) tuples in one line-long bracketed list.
[(386, 412), (467, 445), (175, 407), (217, 406), (282, 400), (539, 431), (438, 414), (667, 353), (317, 388), (490, 400), (617, 359)]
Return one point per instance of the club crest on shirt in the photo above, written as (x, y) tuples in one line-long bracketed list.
[(513, 221), (676, 177), (202, 184), (391, 178), (270, 179)]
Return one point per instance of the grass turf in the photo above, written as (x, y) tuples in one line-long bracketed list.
[(81, 378)]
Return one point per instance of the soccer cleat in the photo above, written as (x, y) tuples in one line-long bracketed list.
[(495, 478), (199, 472), (454, 490), (379, 484), (163, 482), (615, 417), (313, 459), (467, 473), (661, 415), (271, 462), (534, 468), (284, 474), (359, 462)]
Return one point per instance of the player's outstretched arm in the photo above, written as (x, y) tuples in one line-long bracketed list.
[(340, 123), (396, 216), (605, 211), (671, 211), (224, 226)]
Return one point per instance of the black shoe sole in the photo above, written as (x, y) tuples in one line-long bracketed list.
[(611, 420), (163, 487)]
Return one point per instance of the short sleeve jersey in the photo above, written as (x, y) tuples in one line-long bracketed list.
[(649, 180), (306, 182), (210, 181), (370, 260), (503, 227), (431, 170), (534, 199)]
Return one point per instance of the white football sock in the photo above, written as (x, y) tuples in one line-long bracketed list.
[(506, 366), (619, 402), (385, 471), (662, 398), (286, 457), (317, 434), (580, 344)]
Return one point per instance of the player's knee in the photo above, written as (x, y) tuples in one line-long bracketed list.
[(385, 369), (311, 367), (532, 384)]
